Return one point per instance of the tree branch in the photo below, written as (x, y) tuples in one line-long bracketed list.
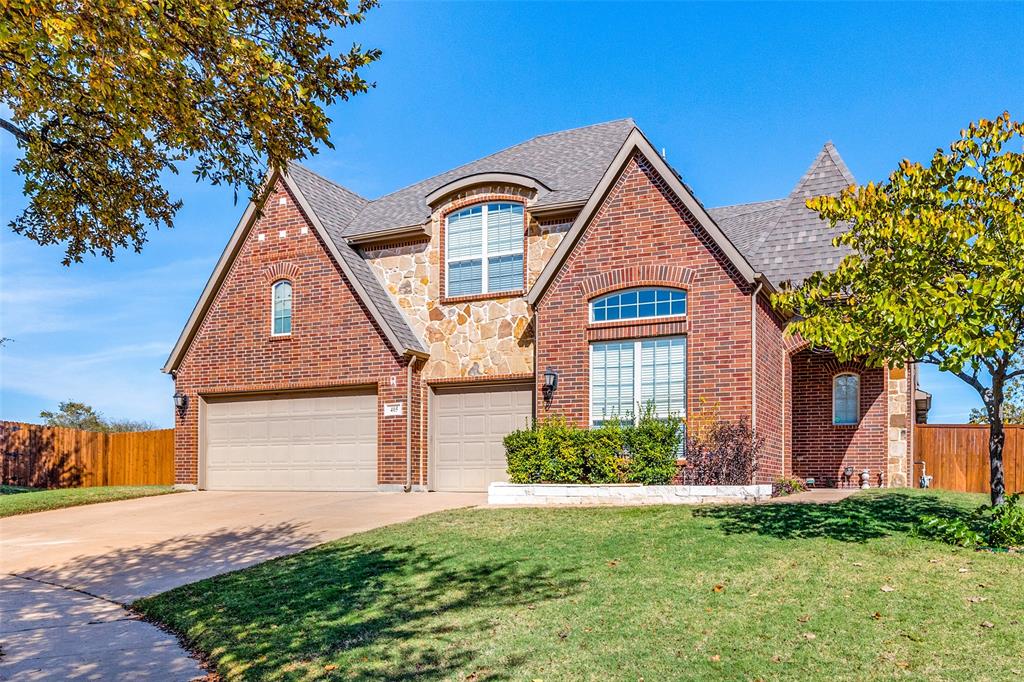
[(13, 130)]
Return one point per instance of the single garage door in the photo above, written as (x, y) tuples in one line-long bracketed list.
[(295, 442), (469, 424)]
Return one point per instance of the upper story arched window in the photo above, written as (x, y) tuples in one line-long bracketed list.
[(638, 304), (484, 249), (846, 399), (282, 308)]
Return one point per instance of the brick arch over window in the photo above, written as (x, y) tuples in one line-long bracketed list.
[(282, 270), (674, 276)]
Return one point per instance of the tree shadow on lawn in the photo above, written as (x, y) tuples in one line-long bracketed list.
[(856, 519), (365, 611)]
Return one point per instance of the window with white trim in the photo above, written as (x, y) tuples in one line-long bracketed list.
[(627, 375), (845, 399), (282, 308), (484, 249), (637, 304)]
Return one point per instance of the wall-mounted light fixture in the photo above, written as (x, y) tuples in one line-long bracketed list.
[(180, 402), (550, 384)]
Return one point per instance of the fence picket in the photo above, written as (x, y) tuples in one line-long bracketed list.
[(42, 456), (956, 455)]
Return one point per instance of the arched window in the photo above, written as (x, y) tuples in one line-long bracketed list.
[(637, 304), (484, 245), (846, 399), (282, 308)]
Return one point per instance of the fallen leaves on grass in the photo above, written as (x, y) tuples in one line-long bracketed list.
[(976, 599), (809, 636), (987, 624), (803, 618), (718, 588), (888, 588)]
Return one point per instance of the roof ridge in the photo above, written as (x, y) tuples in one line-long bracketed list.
[(500, 151)]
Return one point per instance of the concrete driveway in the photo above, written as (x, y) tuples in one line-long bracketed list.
[(66, 573)]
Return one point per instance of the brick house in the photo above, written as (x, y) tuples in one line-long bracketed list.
[(349, 344)]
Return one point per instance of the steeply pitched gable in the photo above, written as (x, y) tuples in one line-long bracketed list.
[(783, 238)]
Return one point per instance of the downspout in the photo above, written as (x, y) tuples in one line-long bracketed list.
[(408, 423), (753, 356)]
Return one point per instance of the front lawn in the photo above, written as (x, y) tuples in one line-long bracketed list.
[(778, 591), (17, 500)]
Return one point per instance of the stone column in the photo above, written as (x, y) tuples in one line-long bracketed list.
[(897, 387)]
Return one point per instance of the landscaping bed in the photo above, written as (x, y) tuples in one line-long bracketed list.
[(17, 500), (738, 592)]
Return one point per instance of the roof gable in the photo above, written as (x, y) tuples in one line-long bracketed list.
[(637, 143), (383, 310), (783, 238)]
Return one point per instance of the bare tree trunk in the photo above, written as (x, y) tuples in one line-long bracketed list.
[(996, 439)]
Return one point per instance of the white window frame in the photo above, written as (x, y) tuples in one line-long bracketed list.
[(485, 255), (273, 303), (856, 399), (686, 305), (638, 398)]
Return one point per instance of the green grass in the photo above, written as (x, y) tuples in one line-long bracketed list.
[(658, 593), (17, 500)]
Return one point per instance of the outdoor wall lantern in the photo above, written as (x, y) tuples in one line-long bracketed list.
[(180, 402), (550, 384)]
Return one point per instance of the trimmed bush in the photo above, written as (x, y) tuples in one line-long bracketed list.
[(554, 451), (652, 448)]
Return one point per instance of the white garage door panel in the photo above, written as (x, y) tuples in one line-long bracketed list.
[(321, 442), (470, 424)]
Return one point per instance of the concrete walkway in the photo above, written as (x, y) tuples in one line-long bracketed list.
[(66, 573)]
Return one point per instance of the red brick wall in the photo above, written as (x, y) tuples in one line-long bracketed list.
[(770, 390), (643, 227), (820, 449), (334, 341)]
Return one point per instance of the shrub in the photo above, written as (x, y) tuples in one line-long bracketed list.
[(554, 451), (652, 448), (951, 531), (987, 526), (787, 486), (1006, 523), (722, 453), (522, 453)]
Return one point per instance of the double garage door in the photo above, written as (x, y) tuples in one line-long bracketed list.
[(306, 442), (328, 441)]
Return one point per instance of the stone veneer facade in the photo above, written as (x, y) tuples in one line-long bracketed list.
[(473, 336)]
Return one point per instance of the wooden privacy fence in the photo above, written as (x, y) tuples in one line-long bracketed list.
[(49, 457), (956, 455)]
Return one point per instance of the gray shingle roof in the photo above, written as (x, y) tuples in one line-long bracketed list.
[(570, 163), (335, 206), (783, 238)]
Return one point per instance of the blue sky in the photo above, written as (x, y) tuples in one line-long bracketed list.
[(741, 97)]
